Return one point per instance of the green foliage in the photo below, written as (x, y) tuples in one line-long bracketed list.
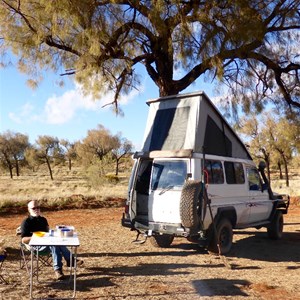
[(98, 175), (100, 148), (272, 139), (12, 150), (98, 143), (94, 176), (251, 46), (296, 162)]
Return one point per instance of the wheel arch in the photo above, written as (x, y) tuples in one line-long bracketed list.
[(226, 212), (280, 205), (222, 212)]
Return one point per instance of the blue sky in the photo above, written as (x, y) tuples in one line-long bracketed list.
[(64, 113)]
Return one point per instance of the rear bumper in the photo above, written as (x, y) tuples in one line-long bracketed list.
[(165, 228), (155, 228)]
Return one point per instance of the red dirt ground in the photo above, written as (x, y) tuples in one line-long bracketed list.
[(116, 268)]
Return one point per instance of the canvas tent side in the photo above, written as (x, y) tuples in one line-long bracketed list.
[(190, 121)]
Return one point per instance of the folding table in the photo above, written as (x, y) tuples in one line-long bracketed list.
[(55, 240)]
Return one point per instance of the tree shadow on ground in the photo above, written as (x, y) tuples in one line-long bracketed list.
[(255, 246), (259, 247), (188, 249), (94, 277), (82, 284), (220, 287), (142, 270)]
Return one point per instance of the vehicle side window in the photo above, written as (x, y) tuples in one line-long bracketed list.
[(253, 179), (214, 170), (234, 173)]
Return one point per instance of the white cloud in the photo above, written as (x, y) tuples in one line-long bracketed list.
[(60, 109), (15, 118), (23, 114)]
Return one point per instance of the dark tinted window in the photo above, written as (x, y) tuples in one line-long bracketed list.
[(143, 177), (214, 171), (169, 129), (216, 142), (234, 173)]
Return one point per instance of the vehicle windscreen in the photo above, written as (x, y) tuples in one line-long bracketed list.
[(168, 174)]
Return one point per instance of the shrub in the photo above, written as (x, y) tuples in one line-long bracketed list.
[(112, 178)]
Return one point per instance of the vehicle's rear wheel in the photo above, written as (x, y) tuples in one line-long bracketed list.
[(162, 241), (189, 203), (222, 237), (275, 229)]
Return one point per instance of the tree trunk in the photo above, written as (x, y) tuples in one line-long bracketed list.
[(287, 182), (17, 167), (49, 168), (9, 165), (267, 160), (10, 170), (117, 166), (70, 164), (269, 172), (280, 170)]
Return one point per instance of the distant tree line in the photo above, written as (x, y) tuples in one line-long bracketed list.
[(273, 140), (17, 152)]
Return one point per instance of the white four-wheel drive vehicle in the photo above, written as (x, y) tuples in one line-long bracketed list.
[(194, 178)]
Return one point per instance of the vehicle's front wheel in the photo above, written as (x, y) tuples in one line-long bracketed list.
[(221, 241), (275, 229), (162, 241)]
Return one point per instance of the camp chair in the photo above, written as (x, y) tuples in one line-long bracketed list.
[(43, 254), (2, 259)]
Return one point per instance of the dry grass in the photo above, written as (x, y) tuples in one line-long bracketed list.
[(72, 188), (69, 188), (279, 185)]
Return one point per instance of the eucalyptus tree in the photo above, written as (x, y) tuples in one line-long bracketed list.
[(257, 138), (97, 144), (70, 151), (20, 143), (121, 149), (6, 154), (47, 151), (283, 137), (251, 45), (12, 150), (31, 156)]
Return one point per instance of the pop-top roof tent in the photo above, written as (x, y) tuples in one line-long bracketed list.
[(190, 121)]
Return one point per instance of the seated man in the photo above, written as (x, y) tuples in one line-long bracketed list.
[(36, 222)]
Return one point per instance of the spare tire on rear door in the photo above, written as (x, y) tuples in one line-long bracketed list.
[(189, 204)]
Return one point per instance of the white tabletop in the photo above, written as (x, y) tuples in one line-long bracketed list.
[(55, 240)]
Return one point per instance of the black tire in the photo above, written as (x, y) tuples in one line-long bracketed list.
[(189, 204), (162, 241), (275, 229), (222, 236)]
